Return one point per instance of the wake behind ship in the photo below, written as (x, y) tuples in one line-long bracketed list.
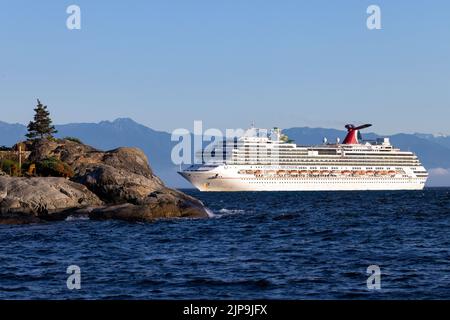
[(262, 160)]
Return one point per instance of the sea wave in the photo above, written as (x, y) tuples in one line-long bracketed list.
[(231, 211)]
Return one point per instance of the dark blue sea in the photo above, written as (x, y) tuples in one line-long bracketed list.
[(305, 245)]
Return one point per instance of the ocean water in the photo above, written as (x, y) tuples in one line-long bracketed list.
[(281, 245)]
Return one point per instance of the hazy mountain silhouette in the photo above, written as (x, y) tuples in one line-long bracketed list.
[(434, 151), (11, 133)]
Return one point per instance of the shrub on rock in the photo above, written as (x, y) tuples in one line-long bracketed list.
[(10, 167), (53, 167)]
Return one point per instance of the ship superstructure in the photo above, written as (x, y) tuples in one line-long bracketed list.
[(262, 160)]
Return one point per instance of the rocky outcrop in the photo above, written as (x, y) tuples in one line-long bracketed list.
[(121, 175), (121, 179), (35, 199)]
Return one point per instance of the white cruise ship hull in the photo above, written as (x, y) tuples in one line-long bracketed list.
[(221, 180)]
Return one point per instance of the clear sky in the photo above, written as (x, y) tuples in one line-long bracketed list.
[(229, 62)]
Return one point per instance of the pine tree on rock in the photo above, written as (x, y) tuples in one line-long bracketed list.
[(42, 126)]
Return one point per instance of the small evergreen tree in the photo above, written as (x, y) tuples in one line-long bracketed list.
[(42, 126)]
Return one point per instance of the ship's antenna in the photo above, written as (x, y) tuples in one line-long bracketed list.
[(253, 124)]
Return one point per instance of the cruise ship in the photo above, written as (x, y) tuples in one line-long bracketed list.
[(266, 160)]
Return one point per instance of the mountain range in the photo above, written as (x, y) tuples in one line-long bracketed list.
[(433, 151)]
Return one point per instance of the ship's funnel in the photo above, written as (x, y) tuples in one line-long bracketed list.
[(352, 133)]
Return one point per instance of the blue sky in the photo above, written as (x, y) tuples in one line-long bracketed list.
[(228, 63)]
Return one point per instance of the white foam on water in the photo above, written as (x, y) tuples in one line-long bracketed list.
[(77, 218), (210, 213), (231, 211), (223, 212)]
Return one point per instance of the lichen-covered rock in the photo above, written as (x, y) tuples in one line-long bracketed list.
[(165, 204), (123, 175), (35, 199), (80, 157)]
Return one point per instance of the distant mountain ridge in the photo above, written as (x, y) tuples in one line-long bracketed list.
[(11, 133), (433, 151)]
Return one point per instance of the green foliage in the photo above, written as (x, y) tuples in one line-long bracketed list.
[(73, 139), (42, 126), (10, 167), (53, 167), (25, 166)]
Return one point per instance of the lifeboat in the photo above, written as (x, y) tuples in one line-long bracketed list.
[(249, 171), (315, 172), (360, 172), (293, 172), (370, 172), (281, 172), (346, 172), (241, 171), (271, 172), (258, 173), (392, 172), (383, 173), (303, 172), (325, 172)]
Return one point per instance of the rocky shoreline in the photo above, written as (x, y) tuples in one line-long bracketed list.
[(116, 184)]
